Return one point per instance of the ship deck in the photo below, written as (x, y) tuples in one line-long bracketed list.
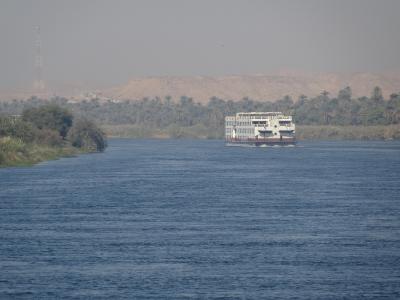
[(261, 141)]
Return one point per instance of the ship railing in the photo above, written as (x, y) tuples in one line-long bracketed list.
[(259, 139)]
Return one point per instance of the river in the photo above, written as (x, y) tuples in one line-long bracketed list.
[(193, 219)]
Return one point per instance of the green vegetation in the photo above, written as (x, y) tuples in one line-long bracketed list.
[(50, 117), (84, 134), (15, 152), (46, 132), (342, 116)]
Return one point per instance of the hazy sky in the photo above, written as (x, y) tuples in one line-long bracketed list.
[(108, 42)]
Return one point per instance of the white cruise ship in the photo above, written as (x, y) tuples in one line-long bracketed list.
[(260, 128)]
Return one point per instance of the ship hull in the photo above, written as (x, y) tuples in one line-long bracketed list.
[(262, 142)]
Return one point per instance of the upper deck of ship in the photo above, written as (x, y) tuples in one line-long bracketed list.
[(259, 116)]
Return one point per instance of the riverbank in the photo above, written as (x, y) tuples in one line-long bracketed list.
[(15, 152), (174, 132), (46, 133), (390, 132)]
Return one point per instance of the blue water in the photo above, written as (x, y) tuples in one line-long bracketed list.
[(182, 219)]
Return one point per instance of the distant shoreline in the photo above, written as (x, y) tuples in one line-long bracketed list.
[(303, 132)]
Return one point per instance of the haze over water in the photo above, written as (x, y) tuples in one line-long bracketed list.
[(182, 219)]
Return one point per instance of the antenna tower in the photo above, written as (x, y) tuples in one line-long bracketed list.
[(38, 84)]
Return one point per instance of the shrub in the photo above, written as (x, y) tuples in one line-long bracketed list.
[(49, 116), (49, 137), (86, 135)]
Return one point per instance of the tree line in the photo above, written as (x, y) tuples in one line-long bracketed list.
[(341, 110)]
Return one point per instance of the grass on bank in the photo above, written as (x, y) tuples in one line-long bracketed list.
[(15, 152)]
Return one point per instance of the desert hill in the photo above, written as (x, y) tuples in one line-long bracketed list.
[(258, 87), (202, 88)]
